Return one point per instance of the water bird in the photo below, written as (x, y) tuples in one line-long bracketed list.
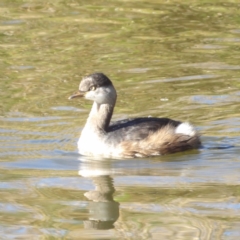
[(128, 138)]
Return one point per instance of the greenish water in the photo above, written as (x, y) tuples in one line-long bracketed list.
[(177, 59)]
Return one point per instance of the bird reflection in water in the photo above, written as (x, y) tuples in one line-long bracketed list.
[(103, 210)]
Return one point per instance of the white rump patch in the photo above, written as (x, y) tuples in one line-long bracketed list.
[(186, 129)]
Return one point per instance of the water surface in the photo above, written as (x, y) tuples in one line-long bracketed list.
[(177, 59)]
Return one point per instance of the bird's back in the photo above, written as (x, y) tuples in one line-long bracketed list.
[(152, 136)]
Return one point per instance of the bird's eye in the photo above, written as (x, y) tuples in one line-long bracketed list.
[(92, 88)]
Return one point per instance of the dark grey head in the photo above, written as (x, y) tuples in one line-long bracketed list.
[(94, 80), (98, 88)]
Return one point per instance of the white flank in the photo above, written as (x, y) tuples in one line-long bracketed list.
[(186, 129), (94, 172)]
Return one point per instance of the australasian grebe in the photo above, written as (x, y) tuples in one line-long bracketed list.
[(138, 137)]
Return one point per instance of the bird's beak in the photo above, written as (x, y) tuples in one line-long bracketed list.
[(77, 94)]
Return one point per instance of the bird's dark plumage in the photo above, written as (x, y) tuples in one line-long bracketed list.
[(138, 128), (96, 79), (136, 137)]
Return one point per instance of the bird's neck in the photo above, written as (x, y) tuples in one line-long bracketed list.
[(100, 116)]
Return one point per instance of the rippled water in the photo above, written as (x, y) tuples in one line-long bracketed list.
[(177, 59)]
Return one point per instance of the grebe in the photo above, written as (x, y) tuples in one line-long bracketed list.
[(138, 137)]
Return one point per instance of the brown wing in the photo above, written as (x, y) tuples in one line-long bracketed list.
[(137, 129), (161, 142)]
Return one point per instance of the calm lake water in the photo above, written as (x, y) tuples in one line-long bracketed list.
[(177, 59)]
